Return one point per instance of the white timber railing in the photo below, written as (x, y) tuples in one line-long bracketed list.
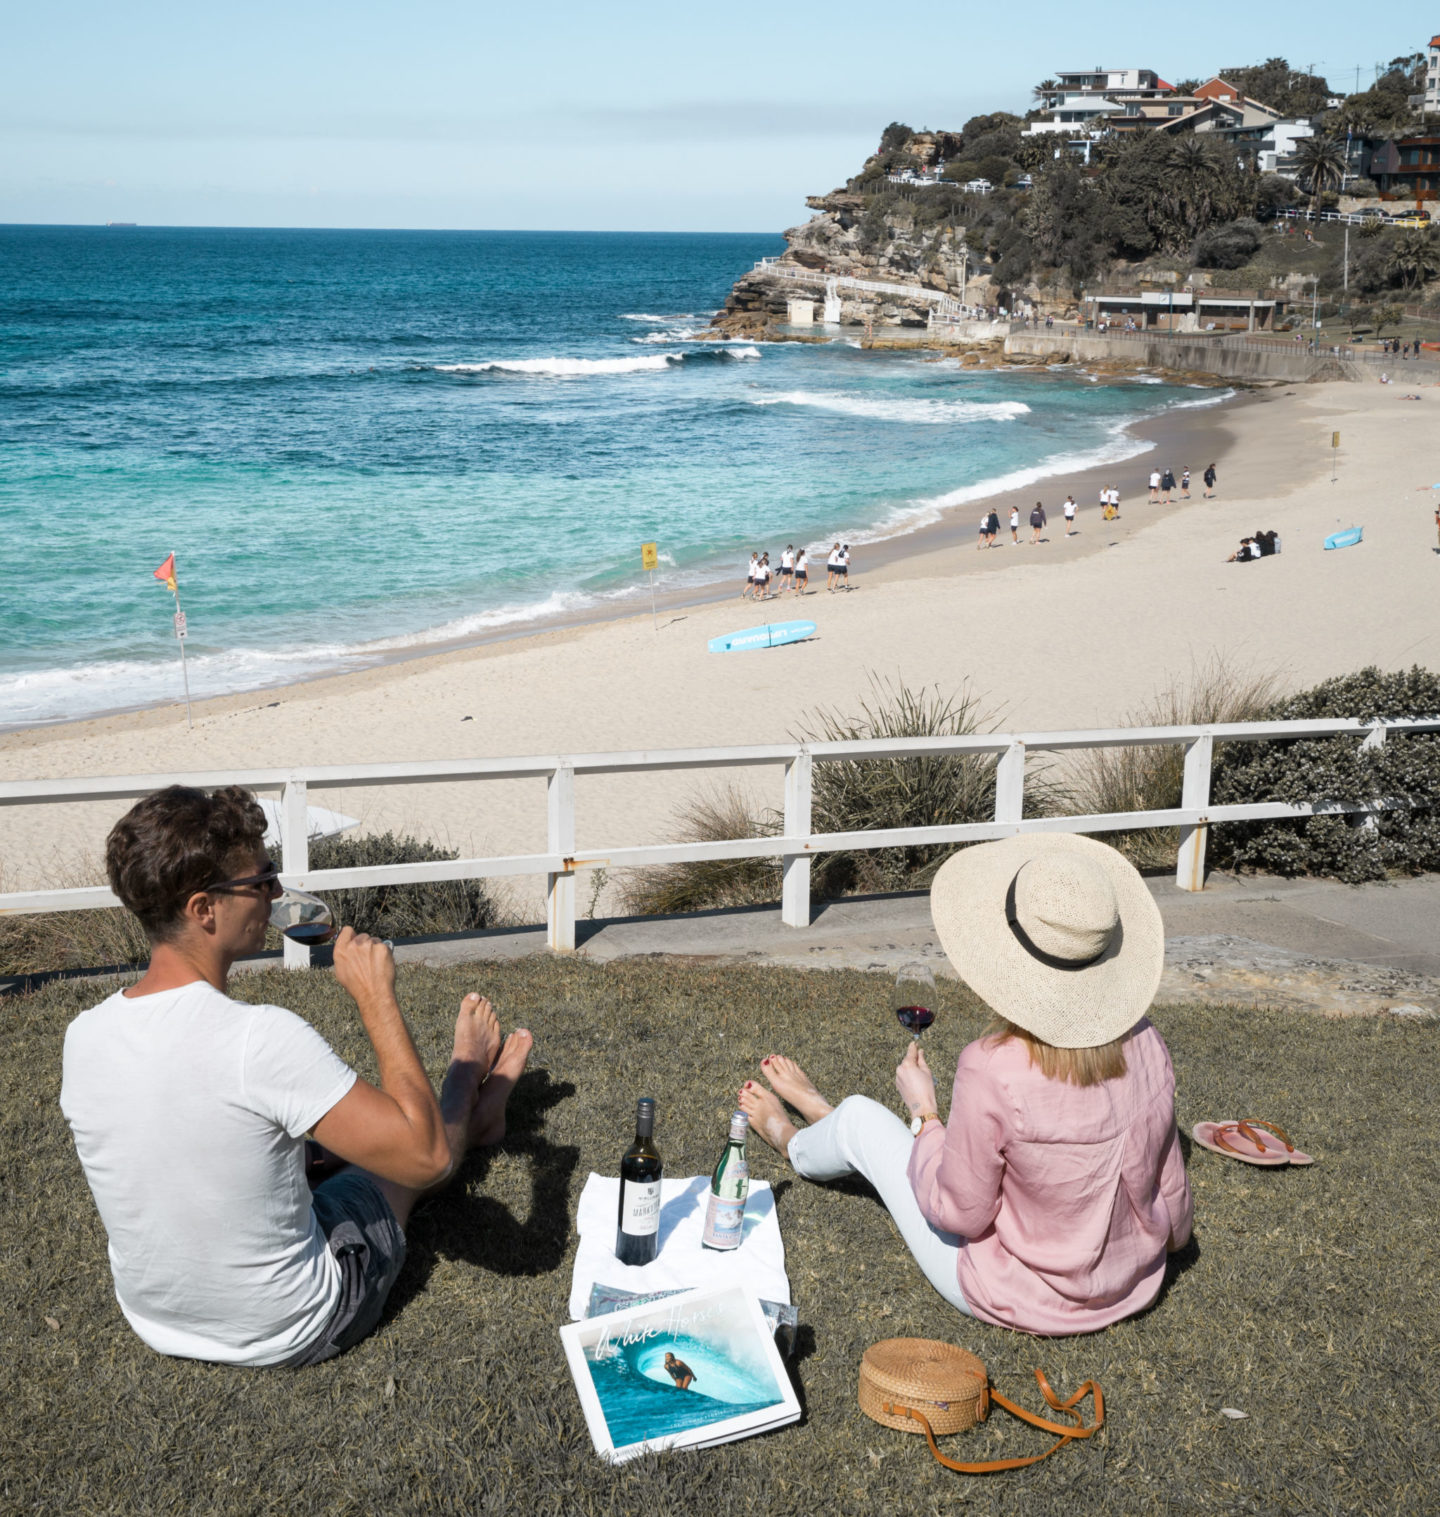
[(795, 847)]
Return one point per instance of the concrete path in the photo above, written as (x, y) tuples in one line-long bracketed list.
[(1312, 945)]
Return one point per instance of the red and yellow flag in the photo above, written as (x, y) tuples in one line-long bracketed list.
[(166, 571)]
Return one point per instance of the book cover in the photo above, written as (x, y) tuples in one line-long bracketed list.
[(688, 1371)]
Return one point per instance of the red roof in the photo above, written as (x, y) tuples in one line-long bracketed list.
[(1161, 85)]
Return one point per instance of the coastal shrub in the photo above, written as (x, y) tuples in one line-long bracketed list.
[(1228, 247), (1401, 841), (401, 911), (64, 940), (1151, 778), (716, 816)]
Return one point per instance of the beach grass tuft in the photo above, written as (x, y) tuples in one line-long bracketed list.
[(1107, 780), (1304, 1301)]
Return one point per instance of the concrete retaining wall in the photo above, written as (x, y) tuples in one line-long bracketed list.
[(1204, 355)]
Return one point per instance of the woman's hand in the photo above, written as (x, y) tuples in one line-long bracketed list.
[(915, 1082)]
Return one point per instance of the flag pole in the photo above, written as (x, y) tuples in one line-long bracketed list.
[(180, 638)]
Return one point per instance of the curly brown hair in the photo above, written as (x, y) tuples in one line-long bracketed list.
[(178, 841)]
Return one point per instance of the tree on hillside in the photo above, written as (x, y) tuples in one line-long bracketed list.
[(896, 135), (1321, 166), (1414, 258), (1044, 89), (1159, 193), (1290, 91), (1385, 106)]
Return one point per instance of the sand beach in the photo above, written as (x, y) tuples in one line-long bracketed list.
[(1073, 633)]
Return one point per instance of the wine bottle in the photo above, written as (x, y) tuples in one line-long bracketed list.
[(729, 1188), (637, 1237)]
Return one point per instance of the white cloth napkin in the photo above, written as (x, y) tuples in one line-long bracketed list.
[(682, 1262)]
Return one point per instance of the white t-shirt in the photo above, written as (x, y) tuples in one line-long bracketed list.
[(787, 560), (189, 1112), (1069, 508), (1155, 479), (802, 564), (1014, 516)]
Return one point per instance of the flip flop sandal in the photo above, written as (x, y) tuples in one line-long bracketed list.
[(1268, 1146)]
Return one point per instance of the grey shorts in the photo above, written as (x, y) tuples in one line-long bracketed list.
[(369, 1246)]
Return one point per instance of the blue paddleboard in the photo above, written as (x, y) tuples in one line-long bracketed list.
[(1346, 539), (771, 636)]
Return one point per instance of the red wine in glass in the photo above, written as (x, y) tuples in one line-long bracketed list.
[(913, 1001), (302, 917)]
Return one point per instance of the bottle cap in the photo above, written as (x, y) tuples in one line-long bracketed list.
[(739, 1125), (645, 1116)]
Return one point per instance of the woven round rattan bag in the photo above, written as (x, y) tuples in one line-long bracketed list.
[(920, 1385), (947, 1384)]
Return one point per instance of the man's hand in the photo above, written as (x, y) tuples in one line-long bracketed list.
[(915, 1082), (365, 966)]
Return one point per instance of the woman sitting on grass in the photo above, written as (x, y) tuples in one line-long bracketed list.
[(1050, 1199)]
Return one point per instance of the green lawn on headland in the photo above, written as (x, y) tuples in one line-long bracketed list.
[(1306, 1301)]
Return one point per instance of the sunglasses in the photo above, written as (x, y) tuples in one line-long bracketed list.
[(270, 875)]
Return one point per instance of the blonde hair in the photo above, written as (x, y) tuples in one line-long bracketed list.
[(1080, 1066)]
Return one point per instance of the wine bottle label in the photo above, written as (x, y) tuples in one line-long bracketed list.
[(640, 1208), (724, 1222)]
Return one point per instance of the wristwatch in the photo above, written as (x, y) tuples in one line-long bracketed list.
[(916, 1123)]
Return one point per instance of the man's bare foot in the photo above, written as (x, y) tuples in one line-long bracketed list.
[(487, 1120), (477, 1035), (793, 1085), (767, 1117)]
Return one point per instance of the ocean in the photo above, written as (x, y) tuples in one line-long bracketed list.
[(362, 442)]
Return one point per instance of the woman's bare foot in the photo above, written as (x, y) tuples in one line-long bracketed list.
[(793, 1085), (487, 1120), (767, 1117)]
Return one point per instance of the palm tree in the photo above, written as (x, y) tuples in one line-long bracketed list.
[(1414, 258), (1044, 90), (1322, 164)]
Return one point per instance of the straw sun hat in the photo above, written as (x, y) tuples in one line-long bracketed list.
[(1057, 933)]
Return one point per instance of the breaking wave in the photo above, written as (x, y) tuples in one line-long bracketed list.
[(882, 408)]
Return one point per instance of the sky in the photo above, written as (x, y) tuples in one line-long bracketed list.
[(556, 115)]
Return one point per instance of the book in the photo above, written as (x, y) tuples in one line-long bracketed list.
[(687, 1371)]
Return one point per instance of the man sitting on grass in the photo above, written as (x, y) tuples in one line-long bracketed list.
[(189, 1110)]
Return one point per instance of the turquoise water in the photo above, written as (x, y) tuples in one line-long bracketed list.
[(361, 441)]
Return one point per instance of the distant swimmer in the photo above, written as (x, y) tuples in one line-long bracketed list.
[(680, 1372)]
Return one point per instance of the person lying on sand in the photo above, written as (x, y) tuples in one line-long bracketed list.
[(189, 1109), (680, 1372), (1051, 1198)]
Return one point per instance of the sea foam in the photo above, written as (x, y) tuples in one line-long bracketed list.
[(926, 412)]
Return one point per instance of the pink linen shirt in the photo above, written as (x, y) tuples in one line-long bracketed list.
[(1065, 1197)]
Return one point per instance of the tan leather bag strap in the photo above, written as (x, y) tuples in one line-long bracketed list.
[(1067, 1434)]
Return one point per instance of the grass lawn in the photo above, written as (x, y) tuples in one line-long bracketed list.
[(1307, 1299)]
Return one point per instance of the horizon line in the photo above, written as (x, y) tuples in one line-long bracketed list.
[(176, 226)]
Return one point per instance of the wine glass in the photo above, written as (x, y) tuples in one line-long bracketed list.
[(913, 999), (302, 917)]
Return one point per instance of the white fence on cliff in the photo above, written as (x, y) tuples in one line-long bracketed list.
[(795, 847), (944, 305)]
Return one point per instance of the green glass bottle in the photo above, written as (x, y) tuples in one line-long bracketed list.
[(729, 1189), (637, 1234)]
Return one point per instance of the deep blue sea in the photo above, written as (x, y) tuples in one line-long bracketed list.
[(360, 441)]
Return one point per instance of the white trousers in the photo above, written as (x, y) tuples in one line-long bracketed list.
[(861, 1137)]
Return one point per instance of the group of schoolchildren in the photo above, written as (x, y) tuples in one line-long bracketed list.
[(1163, 485), (1261, 545), (793, 574)]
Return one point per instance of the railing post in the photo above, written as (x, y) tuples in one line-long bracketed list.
[(795, 888), (1194, 795), (560, 888), (1368, 821), (1010, 784), (294, 853)]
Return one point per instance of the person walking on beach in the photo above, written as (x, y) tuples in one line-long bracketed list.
[(1037, 523), (802, 572), (992, 527), (1154, 486), (749, 590), (984, 530), (1210, 478), (787, 569), (1184, 484), (189, 1109), (1014, 526), (843, 567), (762, 578), (832, 566), (1069, 516), (1167, 486)]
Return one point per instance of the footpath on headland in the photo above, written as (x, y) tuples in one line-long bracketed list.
[(1302, 945)]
